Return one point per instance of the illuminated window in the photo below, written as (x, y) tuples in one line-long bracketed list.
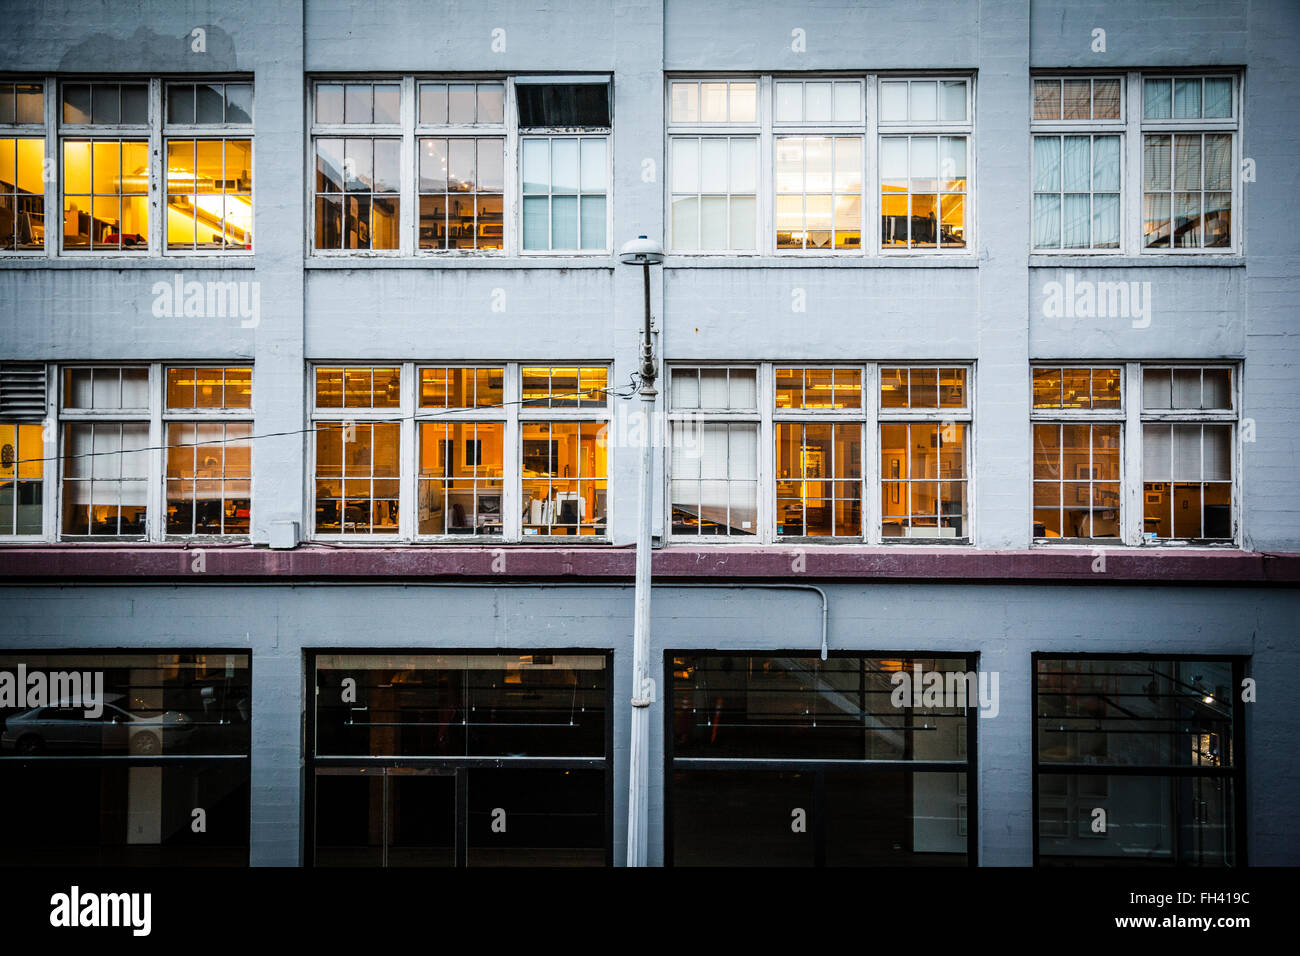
[(105, 175), (1187, 465), (1188, 131), (461, 469), (209, 194), (209, 460), (22, 167), (925, 417), (819, 192), (819, 465), (563, 458), (1077, 457), (358, 185), (22, 479), (358, 462), (923, 182)]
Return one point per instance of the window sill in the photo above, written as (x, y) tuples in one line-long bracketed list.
[(167, 263), (1167, 260), (892, 261), (461, 262)]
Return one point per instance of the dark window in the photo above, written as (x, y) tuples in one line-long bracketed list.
[(120, 753), (478, 759), (789, 760), (563, 105), (1136, 761)]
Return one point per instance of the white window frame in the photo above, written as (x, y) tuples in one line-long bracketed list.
[(1131, 416), (1230, 417), (194, 131), (40, 131), (1092, 128), (157, 415), (409, 413), (1088, 416), (410, 130), (870, 415), (580, 134), (869, 128)]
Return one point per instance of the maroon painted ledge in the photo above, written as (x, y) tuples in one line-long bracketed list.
[(73, 564)]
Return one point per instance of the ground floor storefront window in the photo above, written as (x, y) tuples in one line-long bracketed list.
[(1138, 761), (125, 758), (784, 759), (460, 759)]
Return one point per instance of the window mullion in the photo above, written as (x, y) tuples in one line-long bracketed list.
[(512, 455), (1131, 200), (871, 517), (54, 161), (157, 172), (766, 184), (408, 459), (155, 494), (408, 218), (1132, 509)]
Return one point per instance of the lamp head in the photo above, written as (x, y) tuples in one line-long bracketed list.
[(641, 252)]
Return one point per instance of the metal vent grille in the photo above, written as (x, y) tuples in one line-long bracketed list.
[(22, 392)]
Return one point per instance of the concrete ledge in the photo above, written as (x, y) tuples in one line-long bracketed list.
[(73, 564)]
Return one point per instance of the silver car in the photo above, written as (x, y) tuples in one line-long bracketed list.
[(66, 728)]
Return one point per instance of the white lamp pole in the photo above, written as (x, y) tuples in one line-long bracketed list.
[(642, 252)]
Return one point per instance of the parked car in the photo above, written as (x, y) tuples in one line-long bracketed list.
[(67, 728)]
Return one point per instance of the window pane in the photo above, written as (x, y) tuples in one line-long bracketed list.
[(893, 101), (1156, 99), (789, 102), (1218, 97), (593, 166), (1077, 99), (1047, 99), (1187, 98), (744, 102), (1105, 99), (537, 166), (1105, 163), (922, 101), (952, 105)]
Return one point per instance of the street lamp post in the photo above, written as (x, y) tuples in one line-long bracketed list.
[(642, 252)]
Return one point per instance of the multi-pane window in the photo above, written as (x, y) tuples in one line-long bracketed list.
[(1188, 425), (22, 472), (780, 164), (462, 459), (564, 187), (358, 431), (1153, 742), (759, 741), (106, 165), (925, 418), (461, 176), (114, 418), (22, 167), (135, 167), (859, 452), (714, 470), (415, 165), (713, 179), (358, 179), (564, 469), (714, 199), (105, 413), (818, 177), (1078, 421), (819, 458), (209, 456), (1078, 127), (923, 173), (425, 451), (564, 166), (1188, 125), (209, 178)]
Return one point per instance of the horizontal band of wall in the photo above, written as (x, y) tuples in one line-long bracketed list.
[(87, 562)]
